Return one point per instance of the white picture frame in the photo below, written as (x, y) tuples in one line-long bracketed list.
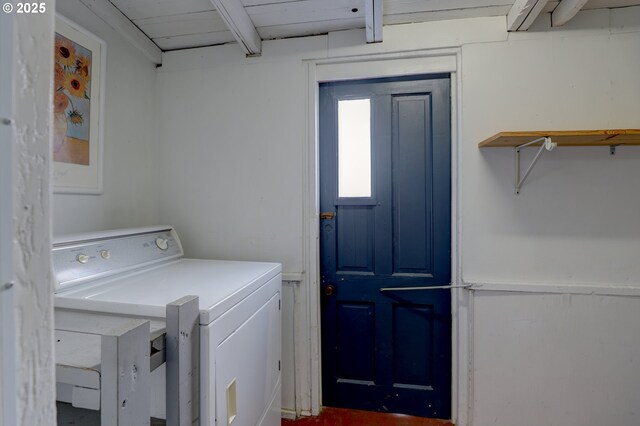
[(78, 110)]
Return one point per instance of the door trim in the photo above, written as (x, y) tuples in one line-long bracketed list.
[(307, 356)]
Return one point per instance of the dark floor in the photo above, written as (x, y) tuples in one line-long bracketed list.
[(344, 417), (72, 416), (68, 415)]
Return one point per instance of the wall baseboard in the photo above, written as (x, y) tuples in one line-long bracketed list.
[(288, 414), (295, 277)]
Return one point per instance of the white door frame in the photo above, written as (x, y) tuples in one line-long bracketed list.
[(7, 332), (308, 333)]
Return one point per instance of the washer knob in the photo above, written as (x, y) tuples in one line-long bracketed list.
[(162, 243), (105, 254), (82, 258)]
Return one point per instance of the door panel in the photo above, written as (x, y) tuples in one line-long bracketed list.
[(355, 245), (356, 342), (388, 351), (413, 346), (412, 186)]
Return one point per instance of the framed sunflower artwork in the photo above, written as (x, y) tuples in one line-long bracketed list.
[(78, 100)]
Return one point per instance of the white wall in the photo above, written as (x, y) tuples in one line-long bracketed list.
[(575, 219), (554, 358), (130, 139), (7, 229), (232, 133), (31, 236)]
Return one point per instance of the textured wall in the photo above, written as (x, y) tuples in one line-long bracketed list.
[(7, 231), (34, 289)]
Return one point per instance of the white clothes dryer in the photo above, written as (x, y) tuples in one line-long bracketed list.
[(137, 272)]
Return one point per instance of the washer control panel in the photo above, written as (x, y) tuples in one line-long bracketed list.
[(89, 256)]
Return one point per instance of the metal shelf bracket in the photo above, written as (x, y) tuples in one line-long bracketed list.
[(548, 145)]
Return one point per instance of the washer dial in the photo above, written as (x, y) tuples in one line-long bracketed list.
[(162, 243)]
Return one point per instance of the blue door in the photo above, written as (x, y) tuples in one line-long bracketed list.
[(385, 201)]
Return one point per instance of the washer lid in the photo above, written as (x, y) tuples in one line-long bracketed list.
[(219, 284)]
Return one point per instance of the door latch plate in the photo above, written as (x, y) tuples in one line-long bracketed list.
[(327, 215)]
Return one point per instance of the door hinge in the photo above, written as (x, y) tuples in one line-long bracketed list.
[(278, 365), (327, 215), (279, 304)]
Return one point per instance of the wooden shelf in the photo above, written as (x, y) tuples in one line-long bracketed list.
[(566, 138)]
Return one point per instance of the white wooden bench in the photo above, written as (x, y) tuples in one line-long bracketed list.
[(104, 362)]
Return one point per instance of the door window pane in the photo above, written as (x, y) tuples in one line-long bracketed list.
[(354, 148)]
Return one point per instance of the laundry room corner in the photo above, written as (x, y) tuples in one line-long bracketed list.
[(469, 279)]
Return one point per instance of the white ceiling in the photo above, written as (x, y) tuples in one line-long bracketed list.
[(179, 24)]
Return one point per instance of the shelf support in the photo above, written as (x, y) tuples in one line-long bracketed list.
[(547, 145)]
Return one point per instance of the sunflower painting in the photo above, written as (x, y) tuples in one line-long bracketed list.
[(77, 104), (71, 102)]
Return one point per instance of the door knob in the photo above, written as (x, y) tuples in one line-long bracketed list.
[(329, 290)]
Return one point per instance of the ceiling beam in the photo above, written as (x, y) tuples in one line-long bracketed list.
[(373, 20), (523, 13), (237, 19), (116, 20), (565, 11)]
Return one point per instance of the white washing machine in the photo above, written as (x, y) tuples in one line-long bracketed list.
[(138, 271)]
